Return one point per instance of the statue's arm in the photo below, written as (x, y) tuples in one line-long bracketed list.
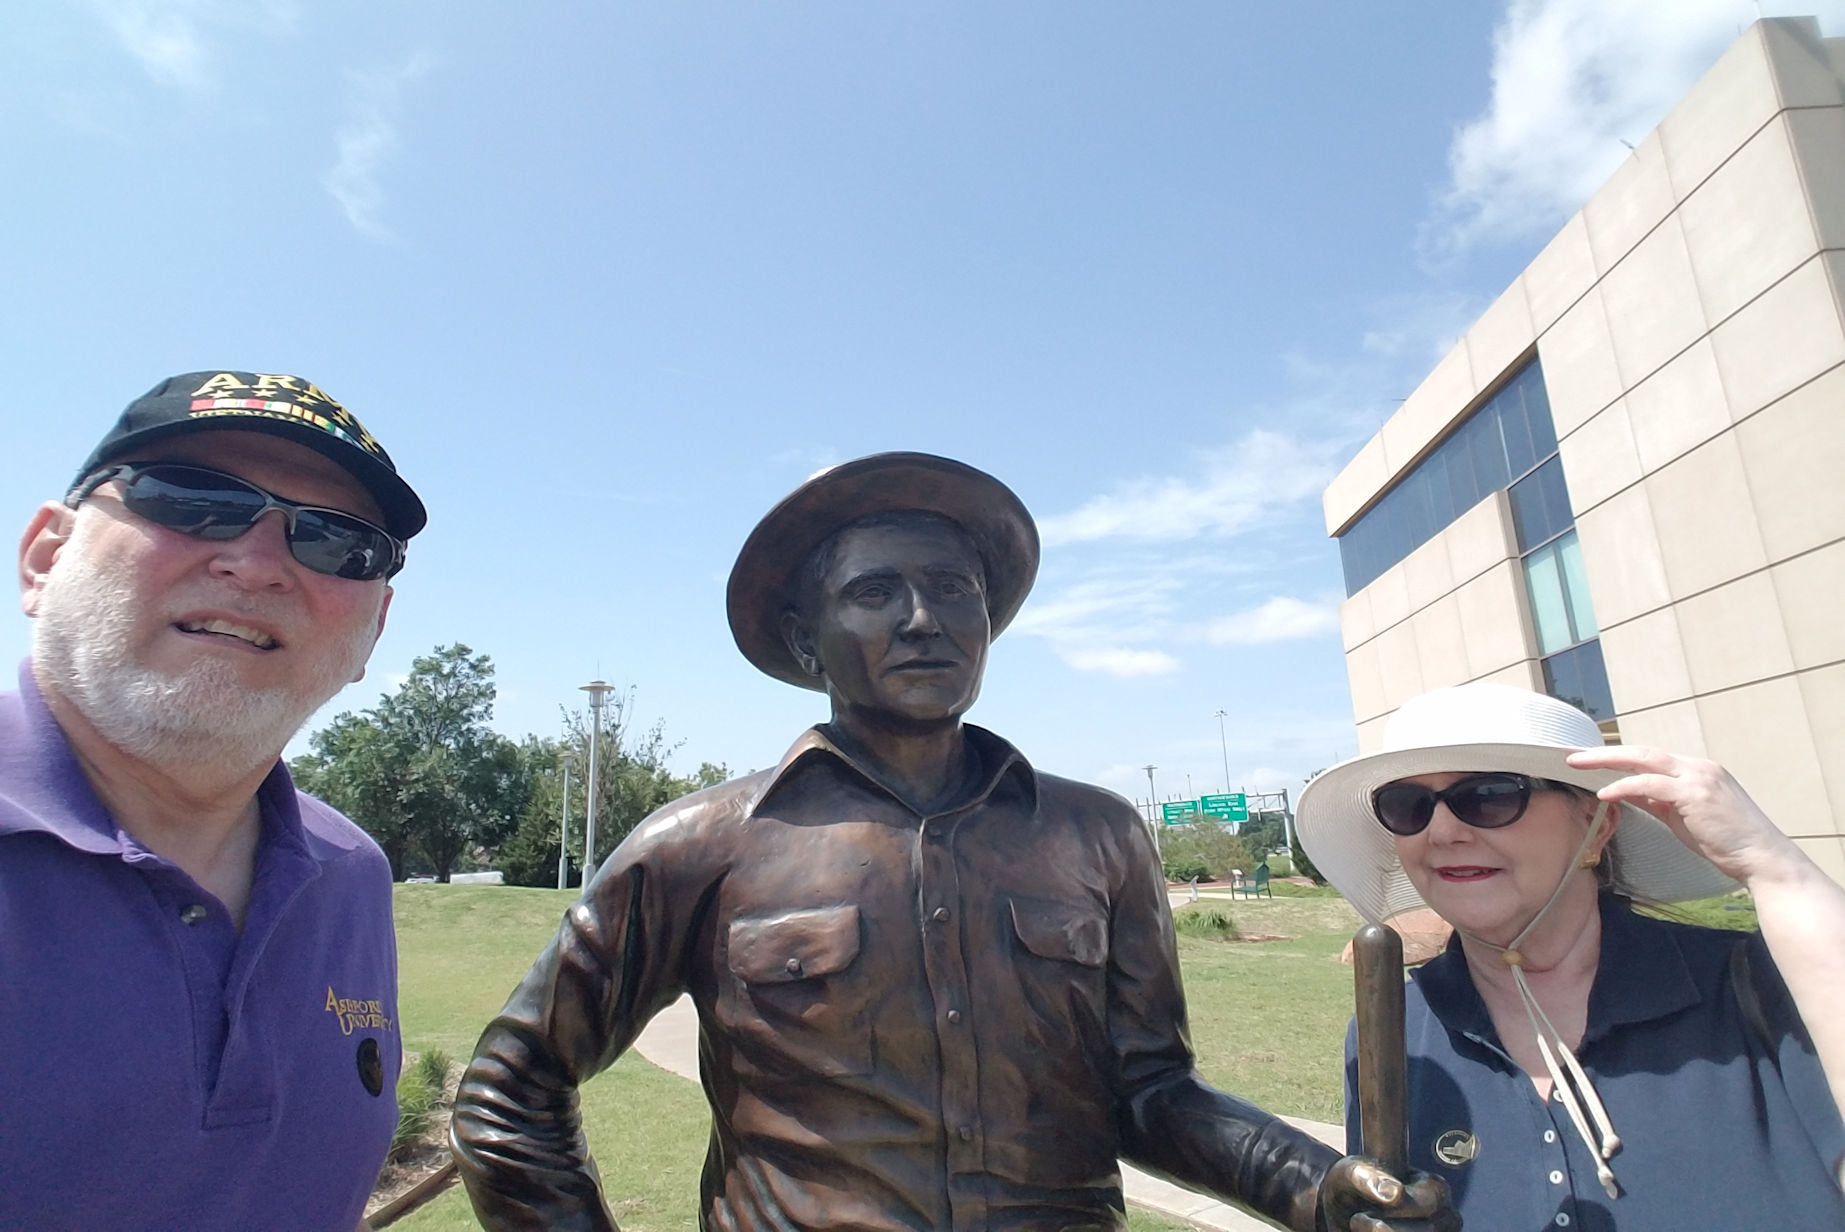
[(517, 1131), (1171, 1121), (1174, 1123)]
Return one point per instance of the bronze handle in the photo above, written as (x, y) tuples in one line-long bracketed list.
[(1383, 1064)]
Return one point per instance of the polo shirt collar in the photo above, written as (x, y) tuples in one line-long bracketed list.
[(1001, 765), (1641, 975), (42, 785), (43, 788)]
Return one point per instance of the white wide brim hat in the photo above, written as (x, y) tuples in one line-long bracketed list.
[(1472, 728)]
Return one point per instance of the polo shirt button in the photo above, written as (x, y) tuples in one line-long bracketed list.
[(1550, 1135), (1556, 1178), (1563, 1219), (192, 914), (966, 1133), (954, 1016), (794, 966), (940, 915)]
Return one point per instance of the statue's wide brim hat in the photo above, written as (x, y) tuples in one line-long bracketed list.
[(763, 581)]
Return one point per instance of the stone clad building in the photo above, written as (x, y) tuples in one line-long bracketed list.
[(1626, 484)]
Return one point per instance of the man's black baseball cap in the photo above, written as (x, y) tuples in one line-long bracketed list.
[(280, 405)]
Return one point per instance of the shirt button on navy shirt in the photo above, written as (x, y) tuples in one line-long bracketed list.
[(1563, 1220), (1556, 1178), (192, 914), (954, 1016), (941, 915)]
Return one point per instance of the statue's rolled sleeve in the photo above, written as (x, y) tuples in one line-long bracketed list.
[(613, 965)]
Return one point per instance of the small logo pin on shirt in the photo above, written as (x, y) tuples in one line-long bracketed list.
[(1457, 1147)]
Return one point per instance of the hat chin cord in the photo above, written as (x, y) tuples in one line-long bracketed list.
[(1568, 1078)]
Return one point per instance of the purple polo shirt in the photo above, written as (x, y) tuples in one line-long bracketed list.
[(158, 1069)]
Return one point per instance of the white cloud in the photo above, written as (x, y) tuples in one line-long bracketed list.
[(1095, 625), (1572, 81), (1118, 660), (1239, 485), (172, 38), (1281, 618), (366, 141)]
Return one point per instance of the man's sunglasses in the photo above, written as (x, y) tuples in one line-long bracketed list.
[(1484, 801), (209, 504)]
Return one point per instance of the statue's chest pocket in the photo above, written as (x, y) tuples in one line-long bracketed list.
[(1063, 954), (797, 990)]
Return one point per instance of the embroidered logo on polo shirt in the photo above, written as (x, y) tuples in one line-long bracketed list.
[(357, 1015), (1457, 1147)]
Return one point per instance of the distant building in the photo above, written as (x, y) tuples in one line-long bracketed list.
[(1626, 485)]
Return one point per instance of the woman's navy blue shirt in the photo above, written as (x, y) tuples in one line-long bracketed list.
[(1723, 1111)]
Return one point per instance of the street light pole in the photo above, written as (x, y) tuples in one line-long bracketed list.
[(598, 691), (1224, 742), (1153, 811), (567, 758)]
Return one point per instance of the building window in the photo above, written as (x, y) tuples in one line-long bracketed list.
[(1578, 677), (1508, 444), (1559, 594), (1494, 448)]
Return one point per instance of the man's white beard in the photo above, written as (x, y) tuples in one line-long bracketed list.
[(200, 717)]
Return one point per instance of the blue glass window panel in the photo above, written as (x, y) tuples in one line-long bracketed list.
[(1418, 517), (1512, 423), (1442, 505), (1487, 449), (1537, 411), (1540, 506), (1550, 610), (1579, 677), (1463, 485), (1576, 587)]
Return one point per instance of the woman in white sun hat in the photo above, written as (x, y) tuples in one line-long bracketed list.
[(1574, 1064)]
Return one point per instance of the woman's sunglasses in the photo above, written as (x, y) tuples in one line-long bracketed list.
[(209, 504), (1484, 801)]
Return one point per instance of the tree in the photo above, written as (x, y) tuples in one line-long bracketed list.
[(355, 768), (632, 781), (422, 769), (1205, 850), (632, 777), (1302, 865), (1262, 833), (529, 857)]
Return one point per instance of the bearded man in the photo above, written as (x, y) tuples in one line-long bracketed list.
[(197, 965), (936, 988)]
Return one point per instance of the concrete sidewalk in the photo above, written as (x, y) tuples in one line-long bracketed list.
[(671, 1042)]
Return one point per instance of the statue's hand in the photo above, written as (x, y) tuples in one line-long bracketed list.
[(1360, 1195)]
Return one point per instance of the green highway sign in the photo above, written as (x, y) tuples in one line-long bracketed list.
[(1179, 812), (1231, 807)]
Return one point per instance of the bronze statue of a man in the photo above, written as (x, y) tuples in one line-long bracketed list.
[(937, 989)]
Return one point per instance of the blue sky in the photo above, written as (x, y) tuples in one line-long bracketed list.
[(609, 279)]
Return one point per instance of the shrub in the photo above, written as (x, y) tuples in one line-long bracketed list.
[(1184, 867), (421, 1090), (1303, 865), (1206, 922), (1212, 846)]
